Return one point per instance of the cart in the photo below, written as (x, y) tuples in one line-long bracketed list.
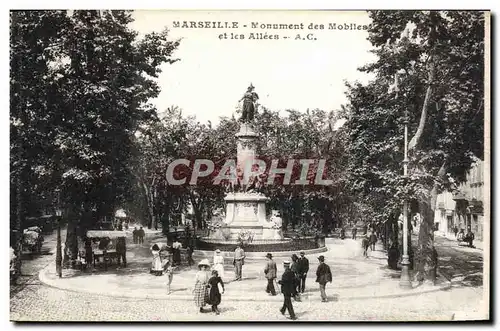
[(104, 245)]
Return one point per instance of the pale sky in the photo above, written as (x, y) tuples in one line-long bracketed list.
[(213, 74)]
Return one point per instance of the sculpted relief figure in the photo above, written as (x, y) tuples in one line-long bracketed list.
[(249, 109)]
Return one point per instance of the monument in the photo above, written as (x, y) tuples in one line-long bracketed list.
[(246, 218)]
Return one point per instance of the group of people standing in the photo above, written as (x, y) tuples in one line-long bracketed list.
[(293, 279), (138, 235)]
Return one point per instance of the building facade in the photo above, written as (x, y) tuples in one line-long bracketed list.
[(463, 208)]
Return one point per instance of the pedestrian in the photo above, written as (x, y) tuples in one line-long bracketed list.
[(323, 276), (373, 240), (455, 230), (238, 261), (365, 243), (135, 235), (169, 272), (121, 251), (219, 263), (354, 232), (342, 233), (89, 254), (141, 234), (365, 229), (216, 290), (176, 252), (287, 283), (469, 237), (156, 268), (303, 269), (189, 252), (200, 290), (393, 256), (294, 267), (270, 272)]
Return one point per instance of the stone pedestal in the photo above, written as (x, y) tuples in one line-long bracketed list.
[(247, 210)]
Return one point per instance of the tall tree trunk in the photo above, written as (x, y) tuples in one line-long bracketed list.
[(425, 264), (58, 251), (20, 215), (426, 253)]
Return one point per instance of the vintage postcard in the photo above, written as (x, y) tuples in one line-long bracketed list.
[(182, 165)]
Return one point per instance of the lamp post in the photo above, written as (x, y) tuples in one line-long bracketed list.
[(58, 245), (404, 281)]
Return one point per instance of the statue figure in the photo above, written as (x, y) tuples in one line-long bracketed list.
[(249, 99)]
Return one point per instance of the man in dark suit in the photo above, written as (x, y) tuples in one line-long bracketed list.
[(323, 276), (287, 283), (270, 271), (303, 269)]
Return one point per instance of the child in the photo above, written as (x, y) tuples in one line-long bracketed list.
[(169, 271), (216, 289)]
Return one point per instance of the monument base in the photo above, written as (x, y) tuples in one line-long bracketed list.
[(246, 213)]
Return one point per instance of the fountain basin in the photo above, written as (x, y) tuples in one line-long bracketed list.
[(258, 247)]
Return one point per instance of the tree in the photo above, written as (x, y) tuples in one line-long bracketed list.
[(441, 61), (96, 79)]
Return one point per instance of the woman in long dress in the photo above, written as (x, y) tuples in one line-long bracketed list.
[(219, 264), (201, 285), (216, 289), (156, 268)]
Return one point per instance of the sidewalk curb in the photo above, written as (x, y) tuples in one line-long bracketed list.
[(265, 298)]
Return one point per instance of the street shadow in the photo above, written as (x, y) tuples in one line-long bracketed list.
[(226, 309)]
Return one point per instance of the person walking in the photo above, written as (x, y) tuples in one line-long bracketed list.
[(323, 276), (373, 240), (365, 243), (469, 237), (270, 272), (134, 235), (303, 269), (238, 261), (176, 252), (287, 283), (354, 232), (156, 268), (189, 251), (455, 231), (219, 263), (294, 267), (140, 235), (121, 251), (200, 291), (216, 290)]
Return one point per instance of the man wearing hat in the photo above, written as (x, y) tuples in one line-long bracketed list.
[(270, 271), (303, 268), (238, 261), (287, 283), (323, 276)]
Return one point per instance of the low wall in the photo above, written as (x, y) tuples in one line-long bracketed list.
[(263, 245)]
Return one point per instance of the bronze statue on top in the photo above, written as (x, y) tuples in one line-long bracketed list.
[(249, 108)]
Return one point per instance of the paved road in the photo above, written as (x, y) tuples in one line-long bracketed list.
[(33, 263), (38, 302), (462, 265)]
